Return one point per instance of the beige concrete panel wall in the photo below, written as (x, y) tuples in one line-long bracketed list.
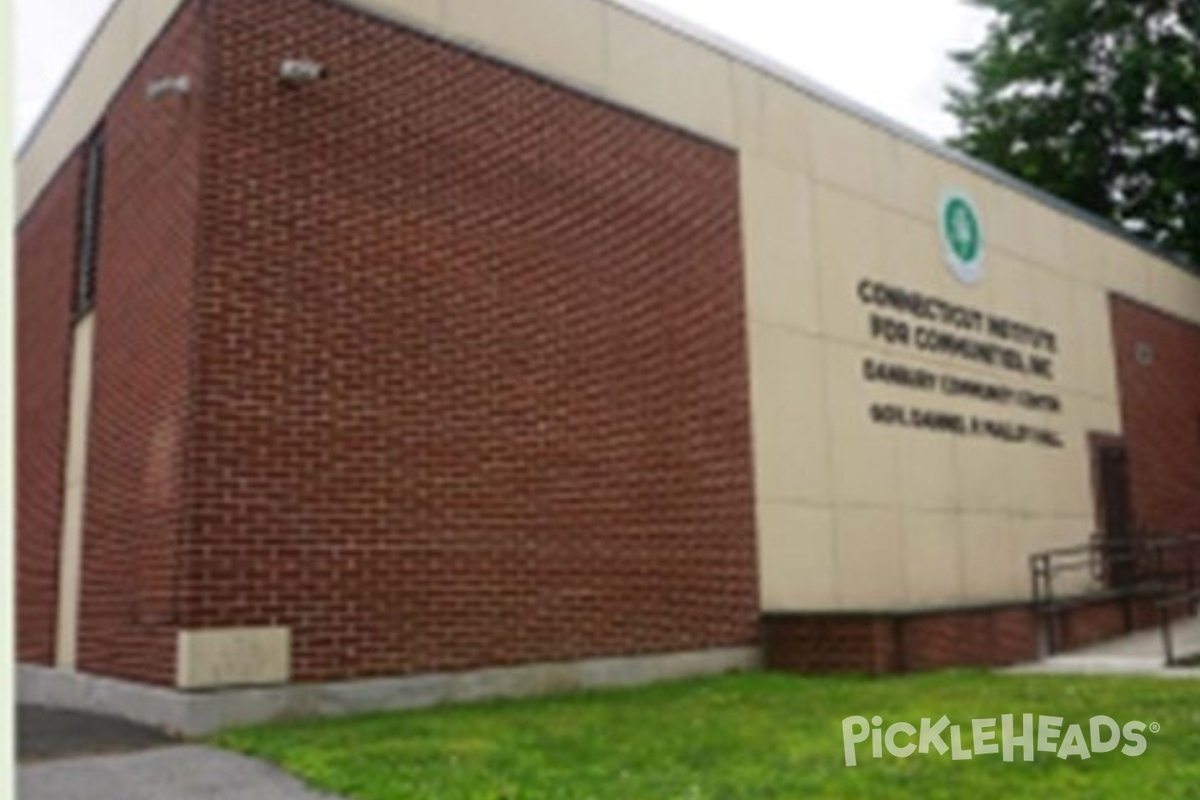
[(1032, 482), (668, 76), (749, 110), (1055, 309), (1071, 482), (207, 659), (842, 151), (152, 16), (1098, 361), (778, 253), (933, 559), (1128, 271), (787, 124), (1099, 415), (955, 516), (908, 248), (848, 239), (865, 457), (1089, 255), (983, 475), (1006, 230), (930, 478), (1010, 286), (70, 565), (788, 416), (773, 120), (125, 34), (1175, 292), (798, 568), (870, 551), (564, 39), (428, 14), (926, 500), (996, 550), (1046, 235), (907, 177), (791, 444), (994, 567)]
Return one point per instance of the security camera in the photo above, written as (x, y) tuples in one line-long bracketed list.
[(294, 71)]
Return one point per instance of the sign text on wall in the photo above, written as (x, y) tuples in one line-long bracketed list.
[(931, 325)]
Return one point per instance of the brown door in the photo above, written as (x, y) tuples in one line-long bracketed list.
[(1116, 511)]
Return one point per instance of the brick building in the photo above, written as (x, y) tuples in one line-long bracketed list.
[(548, 343)]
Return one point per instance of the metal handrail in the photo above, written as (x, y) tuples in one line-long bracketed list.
[(1164, 567), (1191, 599)]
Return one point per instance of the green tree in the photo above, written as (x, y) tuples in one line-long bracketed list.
[(1097, 102)]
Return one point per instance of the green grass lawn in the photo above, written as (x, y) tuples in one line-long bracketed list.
[(749, 736)]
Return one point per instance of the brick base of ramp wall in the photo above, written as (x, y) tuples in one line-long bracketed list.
[(890, 642)]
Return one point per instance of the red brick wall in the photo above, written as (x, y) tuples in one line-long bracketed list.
[(926, 640), (135, 512), (136, 509), (1160, 411), (473, 383), (970, 638), (46, 240), (830, 643)]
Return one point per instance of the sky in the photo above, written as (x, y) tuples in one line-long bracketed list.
[(890, 55)]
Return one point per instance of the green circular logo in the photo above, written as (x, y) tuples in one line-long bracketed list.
[(962, 236)]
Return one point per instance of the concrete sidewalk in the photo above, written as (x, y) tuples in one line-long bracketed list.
[(65, 755), (172, 773), (1138, 654)]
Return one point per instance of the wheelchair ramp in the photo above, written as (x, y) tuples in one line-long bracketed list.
[(1139, 653)]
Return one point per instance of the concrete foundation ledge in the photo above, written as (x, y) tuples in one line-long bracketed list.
[(201, 713)]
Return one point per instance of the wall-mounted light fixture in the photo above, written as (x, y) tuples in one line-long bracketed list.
[(295, 71), (1143, 354), (174, 84)]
